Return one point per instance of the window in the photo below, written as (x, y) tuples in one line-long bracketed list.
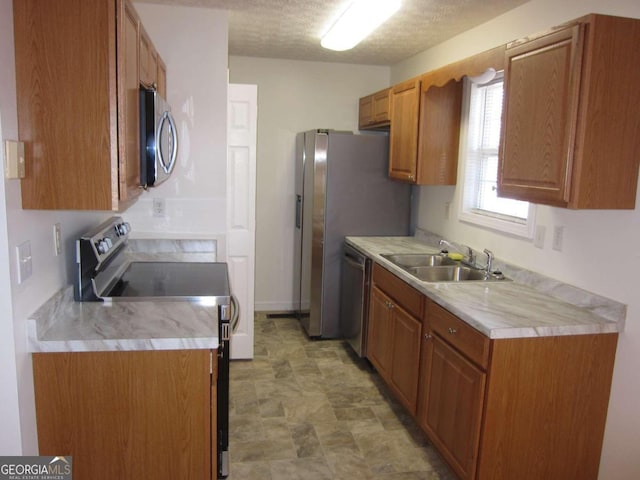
[(480, 202)]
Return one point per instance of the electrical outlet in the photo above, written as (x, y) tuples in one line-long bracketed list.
[(541, 232), (159, 207), (558, 233), (57, 239)]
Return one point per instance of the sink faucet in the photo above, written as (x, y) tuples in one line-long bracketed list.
[(489, 261), (469, 254)]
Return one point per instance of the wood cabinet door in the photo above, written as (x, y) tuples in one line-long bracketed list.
[(128, 103), (403, 137), (162, 78), (439, 136), (66, 103), (381, 107), (365, 112), (380, 336), (541, 85), (452, 403), (127, 415), (148, 60), (405, 364)]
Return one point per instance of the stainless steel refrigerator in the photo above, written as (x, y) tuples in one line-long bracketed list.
[(342, 189)]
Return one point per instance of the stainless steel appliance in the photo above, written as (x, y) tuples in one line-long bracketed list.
[(354, 298), (105, 274), (342, 188), (158, 139)]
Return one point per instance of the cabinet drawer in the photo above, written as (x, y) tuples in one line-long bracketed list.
[(466, 339), (410, 299)]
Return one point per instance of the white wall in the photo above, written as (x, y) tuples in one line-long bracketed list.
[(600, 250), (10, 438), (293, 96), (193, 44)]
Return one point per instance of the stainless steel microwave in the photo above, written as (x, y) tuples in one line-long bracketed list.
[(158, 139)]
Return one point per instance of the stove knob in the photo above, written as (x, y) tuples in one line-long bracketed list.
[(102, 247), (120, 231), (123, 228)]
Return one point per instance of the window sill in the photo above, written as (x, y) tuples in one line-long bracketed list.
[(524, 230)]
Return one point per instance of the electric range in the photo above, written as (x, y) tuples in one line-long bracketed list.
[(105, 274)]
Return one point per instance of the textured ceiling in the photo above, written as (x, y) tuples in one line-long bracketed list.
[(292, 29)]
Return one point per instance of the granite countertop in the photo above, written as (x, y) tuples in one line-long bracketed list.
[(64, 325), (520, 308)]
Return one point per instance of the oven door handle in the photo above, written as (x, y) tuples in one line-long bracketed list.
[(235, 314)]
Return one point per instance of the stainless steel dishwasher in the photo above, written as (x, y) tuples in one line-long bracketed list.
[(354, 300)]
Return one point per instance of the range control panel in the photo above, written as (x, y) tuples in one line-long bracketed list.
[(106, 238), (95, 251)]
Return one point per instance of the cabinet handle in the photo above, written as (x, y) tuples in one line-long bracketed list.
[(427, 336), (452, 330), (412, 177)]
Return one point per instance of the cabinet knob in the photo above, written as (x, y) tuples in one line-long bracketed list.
[(427, 336), (452, 330), (412, 177)]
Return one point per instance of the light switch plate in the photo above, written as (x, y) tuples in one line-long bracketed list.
[(14, 153), (57, 239), (25, 265)]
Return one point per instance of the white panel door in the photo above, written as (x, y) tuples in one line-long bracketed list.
[(241, 210)]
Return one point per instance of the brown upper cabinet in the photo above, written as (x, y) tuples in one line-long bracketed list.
[(162, 78), (439, 133), (148, 60), (425, 121), (77, 81), (570, 117), (403, 135), (374, 111)]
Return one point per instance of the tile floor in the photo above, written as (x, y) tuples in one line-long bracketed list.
[(312, 410)]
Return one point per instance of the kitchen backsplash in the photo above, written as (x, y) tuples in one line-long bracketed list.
[(173, 250)]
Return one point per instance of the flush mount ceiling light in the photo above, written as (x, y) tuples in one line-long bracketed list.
[(359, 19)]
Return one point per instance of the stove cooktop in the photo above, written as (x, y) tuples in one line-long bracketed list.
[(171, 280)]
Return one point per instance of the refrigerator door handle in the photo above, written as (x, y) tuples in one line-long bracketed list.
[(298, 211)]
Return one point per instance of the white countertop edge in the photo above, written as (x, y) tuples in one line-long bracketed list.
[(41, 346)]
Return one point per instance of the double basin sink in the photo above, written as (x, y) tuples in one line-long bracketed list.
[(438, 267)]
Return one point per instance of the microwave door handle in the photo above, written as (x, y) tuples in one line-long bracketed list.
[(174, 136), (166, 116)]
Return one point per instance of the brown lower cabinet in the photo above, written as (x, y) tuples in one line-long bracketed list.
[(451, 404), (394, 333), (495, 409), (129, 415)]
